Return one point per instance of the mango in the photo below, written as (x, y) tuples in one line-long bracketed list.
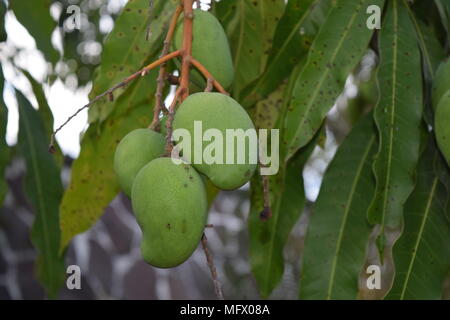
[(210, 47), (220, 112), (441, 125), (170, 204), (441, 82), (134, 151)]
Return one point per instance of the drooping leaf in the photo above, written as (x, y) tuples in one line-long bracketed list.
[(292, 39), (3, 34), (422, 254), (337, 49), (250, 27), (398, 117), (93, 182), (338, 232), (4, 149), (44, 190), (35, 17), (267, 238), (126, 49)]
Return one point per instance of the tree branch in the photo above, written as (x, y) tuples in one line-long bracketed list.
[(212, 269), (208, 75)]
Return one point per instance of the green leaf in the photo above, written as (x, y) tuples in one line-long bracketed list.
[(268, 238), (250, 30), (338, 232), (44, 190), (35, 17), (3, 34), (337, 49), (397, 116), (293, 35), (422, 254), (126, 49), (93, 182), (4, 149)]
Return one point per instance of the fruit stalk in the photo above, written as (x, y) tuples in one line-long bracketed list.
[(208, 76), (212, 268), (187, 48), (162, 70)]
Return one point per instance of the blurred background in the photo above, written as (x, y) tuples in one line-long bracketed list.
[(109, 254)]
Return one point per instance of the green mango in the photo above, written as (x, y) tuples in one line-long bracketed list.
[(441, 82), (210, 47), (134, 151), (216, 111), (441, 125), (171, 207)]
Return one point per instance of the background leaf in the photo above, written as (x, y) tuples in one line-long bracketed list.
[(44, 190), (338, 47), (126, 49), (93, 182), (35, 17), (4, 149), (398, 117), (338, 231), (3, 34), (422, 254)]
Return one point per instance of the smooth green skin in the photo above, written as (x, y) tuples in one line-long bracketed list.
[(216, 111), (134, 151), (441, 82), (171, 207), (441, 125), (210, 47)]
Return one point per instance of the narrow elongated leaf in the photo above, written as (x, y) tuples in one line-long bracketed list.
[(267, 238), (398, 117), (93, 182), (338, 47), (4, 149), (44, 190), (3, 34), (250, 27), (35, 17), (292, 39), (338, 231), (126, 49), (422, 254)]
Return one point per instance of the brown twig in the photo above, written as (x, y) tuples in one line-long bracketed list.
[(212, 268), (187, 48), (208, 75), (169, 121), (209, 85), (162, 70), (110, 91)]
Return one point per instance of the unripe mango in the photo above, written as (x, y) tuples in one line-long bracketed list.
[(217, 111), (441, 82), (210, 47), (134, 151), (170, 204), (441, 125)]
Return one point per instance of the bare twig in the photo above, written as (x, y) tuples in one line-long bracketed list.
[(187, 48), (110, 91), (212, 268), (162, 71), (208, 75), (209, 85)]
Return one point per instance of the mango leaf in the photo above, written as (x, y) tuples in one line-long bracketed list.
[(93, 182), (44, 190), (338, 228), (3, 34), (267, 238), (422, 254), (4, 149), (432, 55), (250, 31), (337, 49), (126, 49), (398, 118), (35, 17), (292, 39)]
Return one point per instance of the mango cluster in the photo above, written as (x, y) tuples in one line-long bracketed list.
[(168, 195)]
